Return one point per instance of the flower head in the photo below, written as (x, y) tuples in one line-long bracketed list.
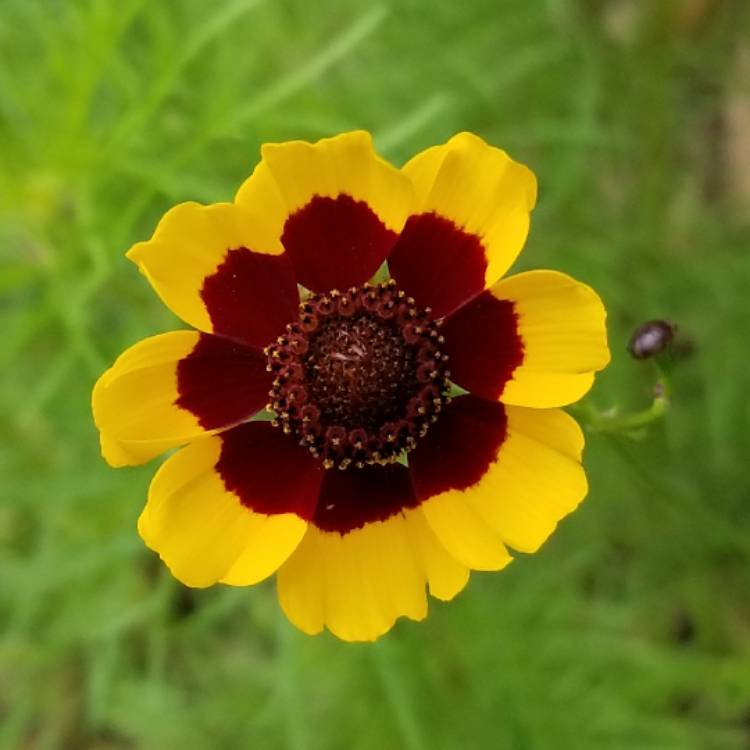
[(369, 483)]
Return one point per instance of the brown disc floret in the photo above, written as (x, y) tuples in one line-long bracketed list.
[(360, 376)]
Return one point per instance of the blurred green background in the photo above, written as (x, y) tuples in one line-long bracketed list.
[(631, 628)]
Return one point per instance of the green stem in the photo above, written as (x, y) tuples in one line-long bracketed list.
[(607, 422), (612, 422)]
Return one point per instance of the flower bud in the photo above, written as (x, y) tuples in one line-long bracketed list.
[(651, 338)]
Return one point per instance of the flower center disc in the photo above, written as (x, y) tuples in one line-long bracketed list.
[(359, 377)]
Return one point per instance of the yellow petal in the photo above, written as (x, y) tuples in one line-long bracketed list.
[(203, 532), (536, 480), (445, 575), (464, 533), (168, 389), (266, 550), (336, 205), (134, 401), (561, 323), (480, 189), (356, 584), (488, 475), (220, 268), (293, 172)]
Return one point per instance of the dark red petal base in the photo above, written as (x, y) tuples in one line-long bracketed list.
[(336, 243), (484, 345), (268, 471), (251, 296), (271, 474), (350, 499), (437, 263), (459, 448), (221, 382)]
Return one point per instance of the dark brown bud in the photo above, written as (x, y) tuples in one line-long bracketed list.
[(651, 339)]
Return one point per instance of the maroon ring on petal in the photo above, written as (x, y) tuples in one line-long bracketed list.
[(251, 296), (460, 447), (351, 499), (336, 243), (484, 345), (438, 263), (222, 382), (269, 471)]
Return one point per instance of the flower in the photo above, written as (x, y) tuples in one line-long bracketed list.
[(370, 483)]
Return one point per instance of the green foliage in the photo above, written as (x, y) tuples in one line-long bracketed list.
[(631, 628)]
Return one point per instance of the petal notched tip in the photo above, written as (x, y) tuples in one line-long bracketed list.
[(357, 138), (355, 585)]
